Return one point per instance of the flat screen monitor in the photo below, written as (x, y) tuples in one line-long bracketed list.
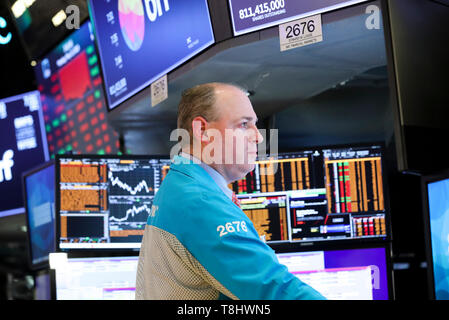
[(436, 216), (319, 194), (140, 41), (23, 145), (252, 15), (99, 278), (39, 194), (349, 274), (70, 83), (103, 202)]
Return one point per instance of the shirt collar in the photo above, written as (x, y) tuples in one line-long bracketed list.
[(215, 175)]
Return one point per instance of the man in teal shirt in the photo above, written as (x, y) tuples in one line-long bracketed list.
[(198, 243)]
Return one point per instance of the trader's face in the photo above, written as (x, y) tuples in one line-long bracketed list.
[(237, 126)]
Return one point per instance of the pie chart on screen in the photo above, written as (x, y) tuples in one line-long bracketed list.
[(132, 22)]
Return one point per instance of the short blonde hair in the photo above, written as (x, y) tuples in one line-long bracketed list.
[(196, 101), (199, 101)]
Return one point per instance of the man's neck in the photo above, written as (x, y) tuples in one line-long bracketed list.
[(218, 168), (216, 175)]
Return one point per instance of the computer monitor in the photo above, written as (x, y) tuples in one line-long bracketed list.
[(318, 194), (70, 82), (39, 195), (349, 274), (23, 145), (141, 41), (103, 202), (99, 278), (247, 16), (435, 189)]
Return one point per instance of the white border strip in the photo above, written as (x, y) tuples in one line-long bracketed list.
[(115, 245)]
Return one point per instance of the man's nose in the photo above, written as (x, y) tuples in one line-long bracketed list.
[(258, 138)]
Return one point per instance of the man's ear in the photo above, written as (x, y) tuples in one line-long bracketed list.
[(199, 125)]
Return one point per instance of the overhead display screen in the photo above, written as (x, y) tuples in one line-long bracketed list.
[(251, 15), (141, 40), (73, 102), (22, 146)]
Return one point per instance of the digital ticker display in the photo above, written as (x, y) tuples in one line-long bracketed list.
[(251, 15), (70, 83), (317, 194), (23, 145), (104, 203), (141, 40)]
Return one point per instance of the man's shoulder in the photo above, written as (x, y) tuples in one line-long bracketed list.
[(184, 189), (193, 181), (179, 183), (192, 194), (183, 204)]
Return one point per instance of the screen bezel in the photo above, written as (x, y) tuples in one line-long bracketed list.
[(349, 241), (84, 252), (425, 180), (45, 263)]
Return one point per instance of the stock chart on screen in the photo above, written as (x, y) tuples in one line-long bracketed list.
[(104, 202), (317, 194), (70, 83)]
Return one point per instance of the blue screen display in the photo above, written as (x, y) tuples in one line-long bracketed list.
[(438, 195), (23, 146), (141, 40), (40, 197)]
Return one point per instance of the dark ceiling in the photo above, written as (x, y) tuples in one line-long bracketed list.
[(38, 33)]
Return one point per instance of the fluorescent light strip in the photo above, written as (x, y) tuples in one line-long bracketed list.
[(20, 6), (59, 18)]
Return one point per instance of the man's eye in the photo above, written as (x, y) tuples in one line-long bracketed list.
[(244, 125)]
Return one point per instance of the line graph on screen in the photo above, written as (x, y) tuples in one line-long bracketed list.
[(140, 182), (132, 212)]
